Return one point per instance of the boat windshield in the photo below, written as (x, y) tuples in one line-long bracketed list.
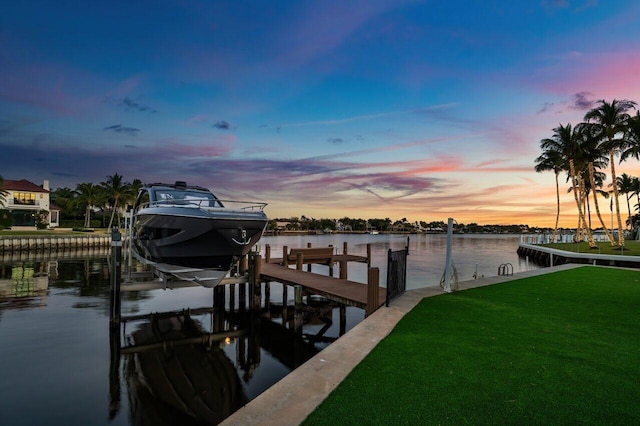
[(186, 197)]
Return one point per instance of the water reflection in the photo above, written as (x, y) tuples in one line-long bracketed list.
[(177, 373), (199, 365), (24, 285)]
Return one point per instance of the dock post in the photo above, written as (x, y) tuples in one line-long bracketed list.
[(299, 261), (309, 265), (343, 320), (232, 297), (254, 281), (298, 316), (345, 247), (373, 289), (242, 297), (267, 298), (116, 270), (343, 269), (243, 265), (368, 255), (284, 304), (114, 372), (285, 260), (267, 253)]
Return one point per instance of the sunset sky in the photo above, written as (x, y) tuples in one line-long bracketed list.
[(403, 109)]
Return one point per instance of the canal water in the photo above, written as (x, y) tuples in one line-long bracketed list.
[(202, 354)]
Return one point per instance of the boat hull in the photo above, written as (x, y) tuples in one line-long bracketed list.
[(194, 237)]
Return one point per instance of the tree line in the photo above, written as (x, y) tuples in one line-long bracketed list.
[(304, 223), (585, 152)]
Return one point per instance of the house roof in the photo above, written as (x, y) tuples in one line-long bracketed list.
[(22, 185)]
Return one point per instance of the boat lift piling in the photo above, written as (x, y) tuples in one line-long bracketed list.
[(116, 277)]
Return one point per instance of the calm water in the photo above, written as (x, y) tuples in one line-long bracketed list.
[(60, 364)]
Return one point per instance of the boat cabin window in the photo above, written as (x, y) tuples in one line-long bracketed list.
[(143, 199), (195, 198)]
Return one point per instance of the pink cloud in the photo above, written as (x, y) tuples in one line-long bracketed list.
[(606, 75)]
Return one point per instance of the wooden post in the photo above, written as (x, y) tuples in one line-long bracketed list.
[(243, 265), (267, 253), (309, 265), (219, 302), (114, 372), (344, 248), (284, 305), (298, 316), (343, 269), (267, 298), (373, 279), (255, 282), (242, 297), (343, 320), (232, 297), (285, 261), (116, 277), (368, 255), (299, 261)]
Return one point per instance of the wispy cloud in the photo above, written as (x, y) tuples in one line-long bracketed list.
[(130, 104), (119, 128), (222, 125)]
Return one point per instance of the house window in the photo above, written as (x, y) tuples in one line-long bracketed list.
[(26, 198), (24, 218)]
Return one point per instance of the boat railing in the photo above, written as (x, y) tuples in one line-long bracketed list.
[(205, 204)]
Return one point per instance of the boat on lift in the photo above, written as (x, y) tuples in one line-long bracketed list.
[(186, 228)]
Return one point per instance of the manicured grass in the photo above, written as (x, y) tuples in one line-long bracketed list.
[(631, 248), (561, 348)]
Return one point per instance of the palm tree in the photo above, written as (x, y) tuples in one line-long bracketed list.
[(636, 191), (89, 195), (611, 120), (65, 199), (594, 158), (625, 186), (566, 142), (115, 188), (552, 160), (633, 138)]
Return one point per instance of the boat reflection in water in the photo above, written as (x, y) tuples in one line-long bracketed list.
[(198, 366), (178, 374)]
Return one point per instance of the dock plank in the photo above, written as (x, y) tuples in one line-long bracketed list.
[(344, 291)]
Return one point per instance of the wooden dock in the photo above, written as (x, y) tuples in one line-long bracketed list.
[(347, 292), (367, 296)]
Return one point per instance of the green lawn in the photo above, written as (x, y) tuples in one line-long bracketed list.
[(561, 348), (631, 248)]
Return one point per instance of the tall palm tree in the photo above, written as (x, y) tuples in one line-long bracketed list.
[(552, 160), (624, 183), (611, 120), (89, 195), (566, 141), (115, 188), (594, 158)]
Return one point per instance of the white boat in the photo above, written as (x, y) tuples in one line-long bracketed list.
[(188, 226)]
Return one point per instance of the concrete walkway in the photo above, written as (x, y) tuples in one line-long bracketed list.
[(293, 398)]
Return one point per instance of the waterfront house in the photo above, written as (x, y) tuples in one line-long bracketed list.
[(25, 200)]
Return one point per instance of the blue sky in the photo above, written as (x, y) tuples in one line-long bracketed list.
[(403, 109)]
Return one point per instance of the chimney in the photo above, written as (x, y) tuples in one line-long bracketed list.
[(45, 185)]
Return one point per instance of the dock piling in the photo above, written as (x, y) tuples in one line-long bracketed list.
[(373, 279), (116, 277)]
